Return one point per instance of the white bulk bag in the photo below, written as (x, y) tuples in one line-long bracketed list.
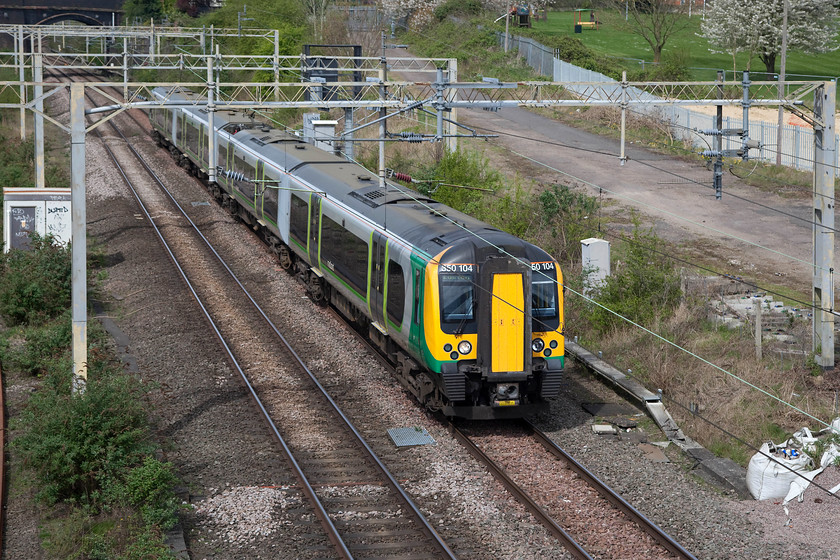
[(770, 476)]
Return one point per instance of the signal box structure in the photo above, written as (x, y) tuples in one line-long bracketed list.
[(41, 211)]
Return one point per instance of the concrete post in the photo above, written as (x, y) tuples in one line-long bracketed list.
[(79, 245), (349, 152), (152, 45), (38, 76), (19, 47), (825, 158), (623, 157), (718, 165), (211, 124)]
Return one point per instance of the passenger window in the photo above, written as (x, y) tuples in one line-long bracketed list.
[(396, 292)]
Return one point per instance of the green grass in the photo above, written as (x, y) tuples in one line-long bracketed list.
[(615, 39)]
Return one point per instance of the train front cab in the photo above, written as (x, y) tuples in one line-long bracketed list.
[(493, 332)]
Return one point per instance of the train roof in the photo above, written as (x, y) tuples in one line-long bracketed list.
[(417, 219), (421, 221)]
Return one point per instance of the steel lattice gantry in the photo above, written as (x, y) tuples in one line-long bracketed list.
[(441, 94)]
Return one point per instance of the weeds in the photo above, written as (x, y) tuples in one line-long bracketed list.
[(88, 453), (35, 284)]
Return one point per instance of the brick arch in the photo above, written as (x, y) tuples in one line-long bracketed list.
[(72, 16)]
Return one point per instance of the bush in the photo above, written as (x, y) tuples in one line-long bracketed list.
[(75, 442), (457, 170), (45, 348), (458, 7), (643, 286), (568, 217), (35, 284), (674, 68), (148, 487), (17, 161)]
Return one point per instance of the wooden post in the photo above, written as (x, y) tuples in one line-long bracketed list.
[(758, 302)]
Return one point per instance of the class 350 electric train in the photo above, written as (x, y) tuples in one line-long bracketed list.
[(470, 316)]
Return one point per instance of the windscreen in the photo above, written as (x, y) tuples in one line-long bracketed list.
[(544, 296), (456, 296)]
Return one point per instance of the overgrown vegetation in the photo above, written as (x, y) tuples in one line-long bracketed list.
[(89, 453), (643, 286)]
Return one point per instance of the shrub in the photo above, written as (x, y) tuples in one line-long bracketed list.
[(45, 348), (17, 160), (457, 170), (35, 284), (74, 442), (458, 7), (567, 216), (643, 286), (148, 487)]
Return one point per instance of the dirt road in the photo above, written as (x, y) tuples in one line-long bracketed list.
[(748, 233)]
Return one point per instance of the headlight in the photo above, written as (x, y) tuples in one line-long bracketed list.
[(464, 347), (447, 347), (537, 345)]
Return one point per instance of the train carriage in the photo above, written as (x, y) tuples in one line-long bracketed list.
[(471, 316)]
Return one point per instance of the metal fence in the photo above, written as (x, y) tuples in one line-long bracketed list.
[(797, 141)]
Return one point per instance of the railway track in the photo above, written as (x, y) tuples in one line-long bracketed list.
[(582, 540), (362, 509), (594, 517), (334, 474)]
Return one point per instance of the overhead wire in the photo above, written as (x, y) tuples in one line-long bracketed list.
[(565, 287), (627, 320), (804, 304)]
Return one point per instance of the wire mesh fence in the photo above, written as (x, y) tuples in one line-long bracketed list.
[(797, 141)]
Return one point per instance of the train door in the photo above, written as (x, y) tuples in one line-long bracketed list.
[(259, 190), (504, 333), (314, 229), (377, 278)]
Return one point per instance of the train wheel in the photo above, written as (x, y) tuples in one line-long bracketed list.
[(285, 257), (315, 289), (232, 207)]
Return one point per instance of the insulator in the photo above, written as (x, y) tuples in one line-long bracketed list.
[(710, 131), (411, 137), (402, 177), (710, 153), (233, 175)]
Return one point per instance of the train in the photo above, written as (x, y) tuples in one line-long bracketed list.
[(471, 317)]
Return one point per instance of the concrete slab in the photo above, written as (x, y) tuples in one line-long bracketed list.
[(653, 453), (622, 422), (604, 429)]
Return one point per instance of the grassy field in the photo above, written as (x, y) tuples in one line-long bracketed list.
[(615, 38)]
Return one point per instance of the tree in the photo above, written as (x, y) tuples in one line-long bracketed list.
[(655, 20), (726, 16), (143, 10), (318, 11), (813, 26)]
